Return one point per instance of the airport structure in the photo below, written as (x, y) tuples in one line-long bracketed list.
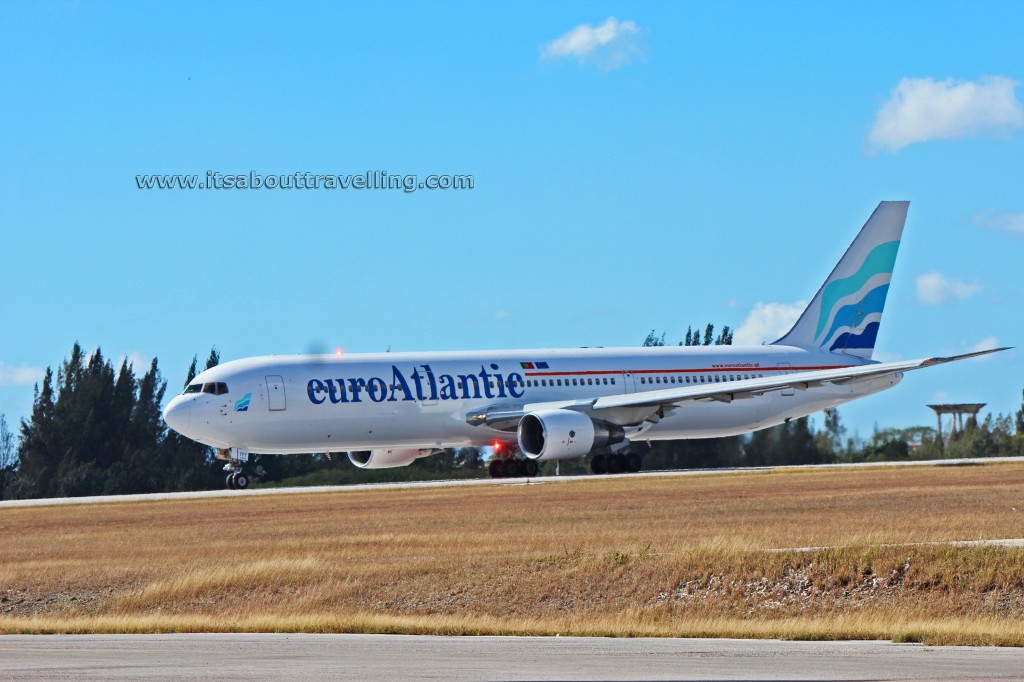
[(958, 410)]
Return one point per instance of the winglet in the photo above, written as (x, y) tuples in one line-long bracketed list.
[(952, 358)]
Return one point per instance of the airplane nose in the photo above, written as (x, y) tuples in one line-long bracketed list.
[(178, 415)]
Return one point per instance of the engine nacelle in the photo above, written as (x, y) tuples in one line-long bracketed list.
[(564, 434), (385, 458)]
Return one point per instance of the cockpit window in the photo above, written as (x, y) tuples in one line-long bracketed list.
[(218, 388), (213, 388)]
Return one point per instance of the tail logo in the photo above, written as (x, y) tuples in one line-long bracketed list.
[(851, 307), (242, 404)]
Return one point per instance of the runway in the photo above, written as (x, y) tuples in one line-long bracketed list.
[(307, 490), (394, 657)]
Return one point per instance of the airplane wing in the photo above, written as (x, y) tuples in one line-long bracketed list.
[(732, 390), (634, 408)]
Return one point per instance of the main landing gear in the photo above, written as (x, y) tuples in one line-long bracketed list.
[(513, 468), (616, 463)]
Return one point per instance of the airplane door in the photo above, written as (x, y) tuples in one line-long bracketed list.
[(275, 393), (784, 368), (628, 382)]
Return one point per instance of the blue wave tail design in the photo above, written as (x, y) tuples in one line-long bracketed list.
[(866, 339), (850, 314)]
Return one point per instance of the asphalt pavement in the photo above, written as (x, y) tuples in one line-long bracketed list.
[(401, 657)]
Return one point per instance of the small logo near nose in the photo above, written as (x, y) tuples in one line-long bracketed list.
[(242, 405)]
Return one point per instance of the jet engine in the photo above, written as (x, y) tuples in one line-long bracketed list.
[(386, 458), (564, 434)]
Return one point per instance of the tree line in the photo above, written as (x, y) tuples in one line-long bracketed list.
[(97, 430)]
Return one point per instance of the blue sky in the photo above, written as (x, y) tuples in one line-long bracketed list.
[(636, 166)]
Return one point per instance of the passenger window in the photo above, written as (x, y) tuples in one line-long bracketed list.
[(613, 380)]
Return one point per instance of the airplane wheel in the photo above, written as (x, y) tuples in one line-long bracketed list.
[(494, 468), (531, 468), (511, 468), (597, 464), (615, 464), (633, 462), (241, 481), (229, 481)]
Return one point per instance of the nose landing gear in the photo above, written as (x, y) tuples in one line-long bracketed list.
[(236, 478)]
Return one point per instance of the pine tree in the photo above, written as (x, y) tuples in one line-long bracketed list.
[(8, 452), (191, 374), (654, 340), (36, 459), (1020, 420), (709, 334)]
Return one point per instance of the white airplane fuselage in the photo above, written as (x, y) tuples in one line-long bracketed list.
[(296, 404)]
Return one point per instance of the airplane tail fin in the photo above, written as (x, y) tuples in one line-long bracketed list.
[(844, 316)]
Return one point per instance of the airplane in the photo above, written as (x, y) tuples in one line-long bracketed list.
[(388, 409)]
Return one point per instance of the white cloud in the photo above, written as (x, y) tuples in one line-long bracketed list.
[(137, 361), (768, 322), (987, 343), (19, 376), (610, 45), (732, 303), (934, 288), (1007, 222), (922, 109), (501, 315)]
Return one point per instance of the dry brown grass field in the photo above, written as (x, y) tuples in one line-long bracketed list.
[(817, 554)]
